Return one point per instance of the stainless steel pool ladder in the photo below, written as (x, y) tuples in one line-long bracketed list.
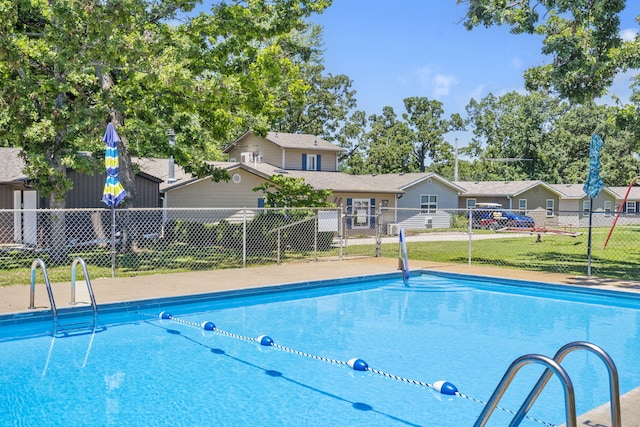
[(54, 310), (553, 367)]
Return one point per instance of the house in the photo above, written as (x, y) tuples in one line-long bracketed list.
[(17, 192), (575, 205), (627, 204), (534, 197), (253, 160), (287, 151)]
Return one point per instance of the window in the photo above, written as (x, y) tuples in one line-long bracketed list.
[(550, 208), (522, 206), (311, 162), (586, 206), (428, 203), (471, 203), (607, 208), (631, 207)]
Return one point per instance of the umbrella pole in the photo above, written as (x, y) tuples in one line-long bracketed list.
[(113, 242), (589, 238)]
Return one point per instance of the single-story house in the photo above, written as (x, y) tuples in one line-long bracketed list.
[(18, 193), (574, 206), (533, 197)]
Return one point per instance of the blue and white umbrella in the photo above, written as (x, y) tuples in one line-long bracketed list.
[(594, 183), (593, 186), (113, 193)]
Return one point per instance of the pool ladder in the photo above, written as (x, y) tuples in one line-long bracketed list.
[(54, 310), (553, 367)]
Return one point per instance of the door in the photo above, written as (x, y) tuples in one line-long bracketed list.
[(360, 213), (25, 217)]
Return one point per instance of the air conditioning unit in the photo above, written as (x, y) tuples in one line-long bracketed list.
[(393, 229), (428, 222)]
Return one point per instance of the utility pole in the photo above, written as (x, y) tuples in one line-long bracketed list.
[(455, 165)]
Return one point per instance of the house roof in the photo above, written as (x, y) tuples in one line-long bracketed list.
[(501, 188), (12, 165), (634, 192), (576, 191), (160, 168), (345, 183), (291, 141)]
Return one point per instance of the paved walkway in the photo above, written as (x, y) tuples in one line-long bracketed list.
[(16, 298)]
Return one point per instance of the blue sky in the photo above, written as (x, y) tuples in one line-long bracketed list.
[(395, 50)]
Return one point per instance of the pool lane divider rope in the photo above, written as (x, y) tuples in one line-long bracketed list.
[(443, 387)]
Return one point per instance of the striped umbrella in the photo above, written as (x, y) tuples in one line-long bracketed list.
[(113, 193)]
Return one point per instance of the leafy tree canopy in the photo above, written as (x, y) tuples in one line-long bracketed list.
[(581, 36), (287, 192), (69, 67)]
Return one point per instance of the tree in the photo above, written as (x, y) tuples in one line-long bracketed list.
[(66, 68), (551, 139), (388, 144), (512, 136), (581, 36), (424, 118), (287, 192), (328, 99)]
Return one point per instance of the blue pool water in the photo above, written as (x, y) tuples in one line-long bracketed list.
[(140, 370)]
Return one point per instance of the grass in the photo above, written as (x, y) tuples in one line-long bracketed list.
[(555, 253)]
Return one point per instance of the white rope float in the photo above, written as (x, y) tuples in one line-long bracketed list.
[(441, 386)]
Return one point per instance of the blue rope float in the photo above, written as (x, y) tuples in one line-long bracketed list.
[(443, 387)]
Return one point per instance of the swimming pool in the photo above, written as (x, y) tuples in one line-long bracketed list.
[(139, 369)]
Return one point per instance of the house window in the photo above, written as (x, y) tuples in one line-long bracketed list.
[(522, 205), (550, 208), (607, 208), (312, 163), (631, 207), (471, 203), (586, 206), (428, 203)]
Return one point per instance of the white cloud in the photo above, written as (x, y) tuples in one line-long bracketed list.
[(516, 63), (442, 84), (628, 34), (436, 84)]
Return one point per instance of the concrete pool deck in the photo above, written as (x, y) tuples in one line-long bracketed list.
[(15, 299)]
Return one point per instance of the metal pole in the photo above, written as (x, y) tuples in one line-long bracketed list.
[(113, 242), (589, 238), (470, 236)]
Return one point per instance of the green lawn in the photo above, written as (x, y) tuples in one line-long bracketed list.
[(554, 253), (562, 254)]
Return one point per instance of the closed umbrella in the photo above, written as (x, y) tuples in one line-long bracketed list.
[(113, 193), (593, 186)]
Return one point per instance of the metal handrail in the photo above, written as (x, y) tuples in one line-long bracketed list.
[(38, 262), (74, 266), (552, 365), (616, 418)]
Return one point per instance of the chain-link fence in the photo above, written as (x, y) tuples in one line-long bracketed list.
[(143, 241)]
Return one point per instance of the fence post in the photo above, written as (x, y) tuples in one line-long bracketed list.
[(341, 231), (244, 237), (470, 215), (315, 237), (379, 233)]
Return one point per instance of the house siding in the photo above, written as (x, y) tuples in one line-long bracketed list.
[(293, 159), (87, 191), (209, 194), (414, 218)]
